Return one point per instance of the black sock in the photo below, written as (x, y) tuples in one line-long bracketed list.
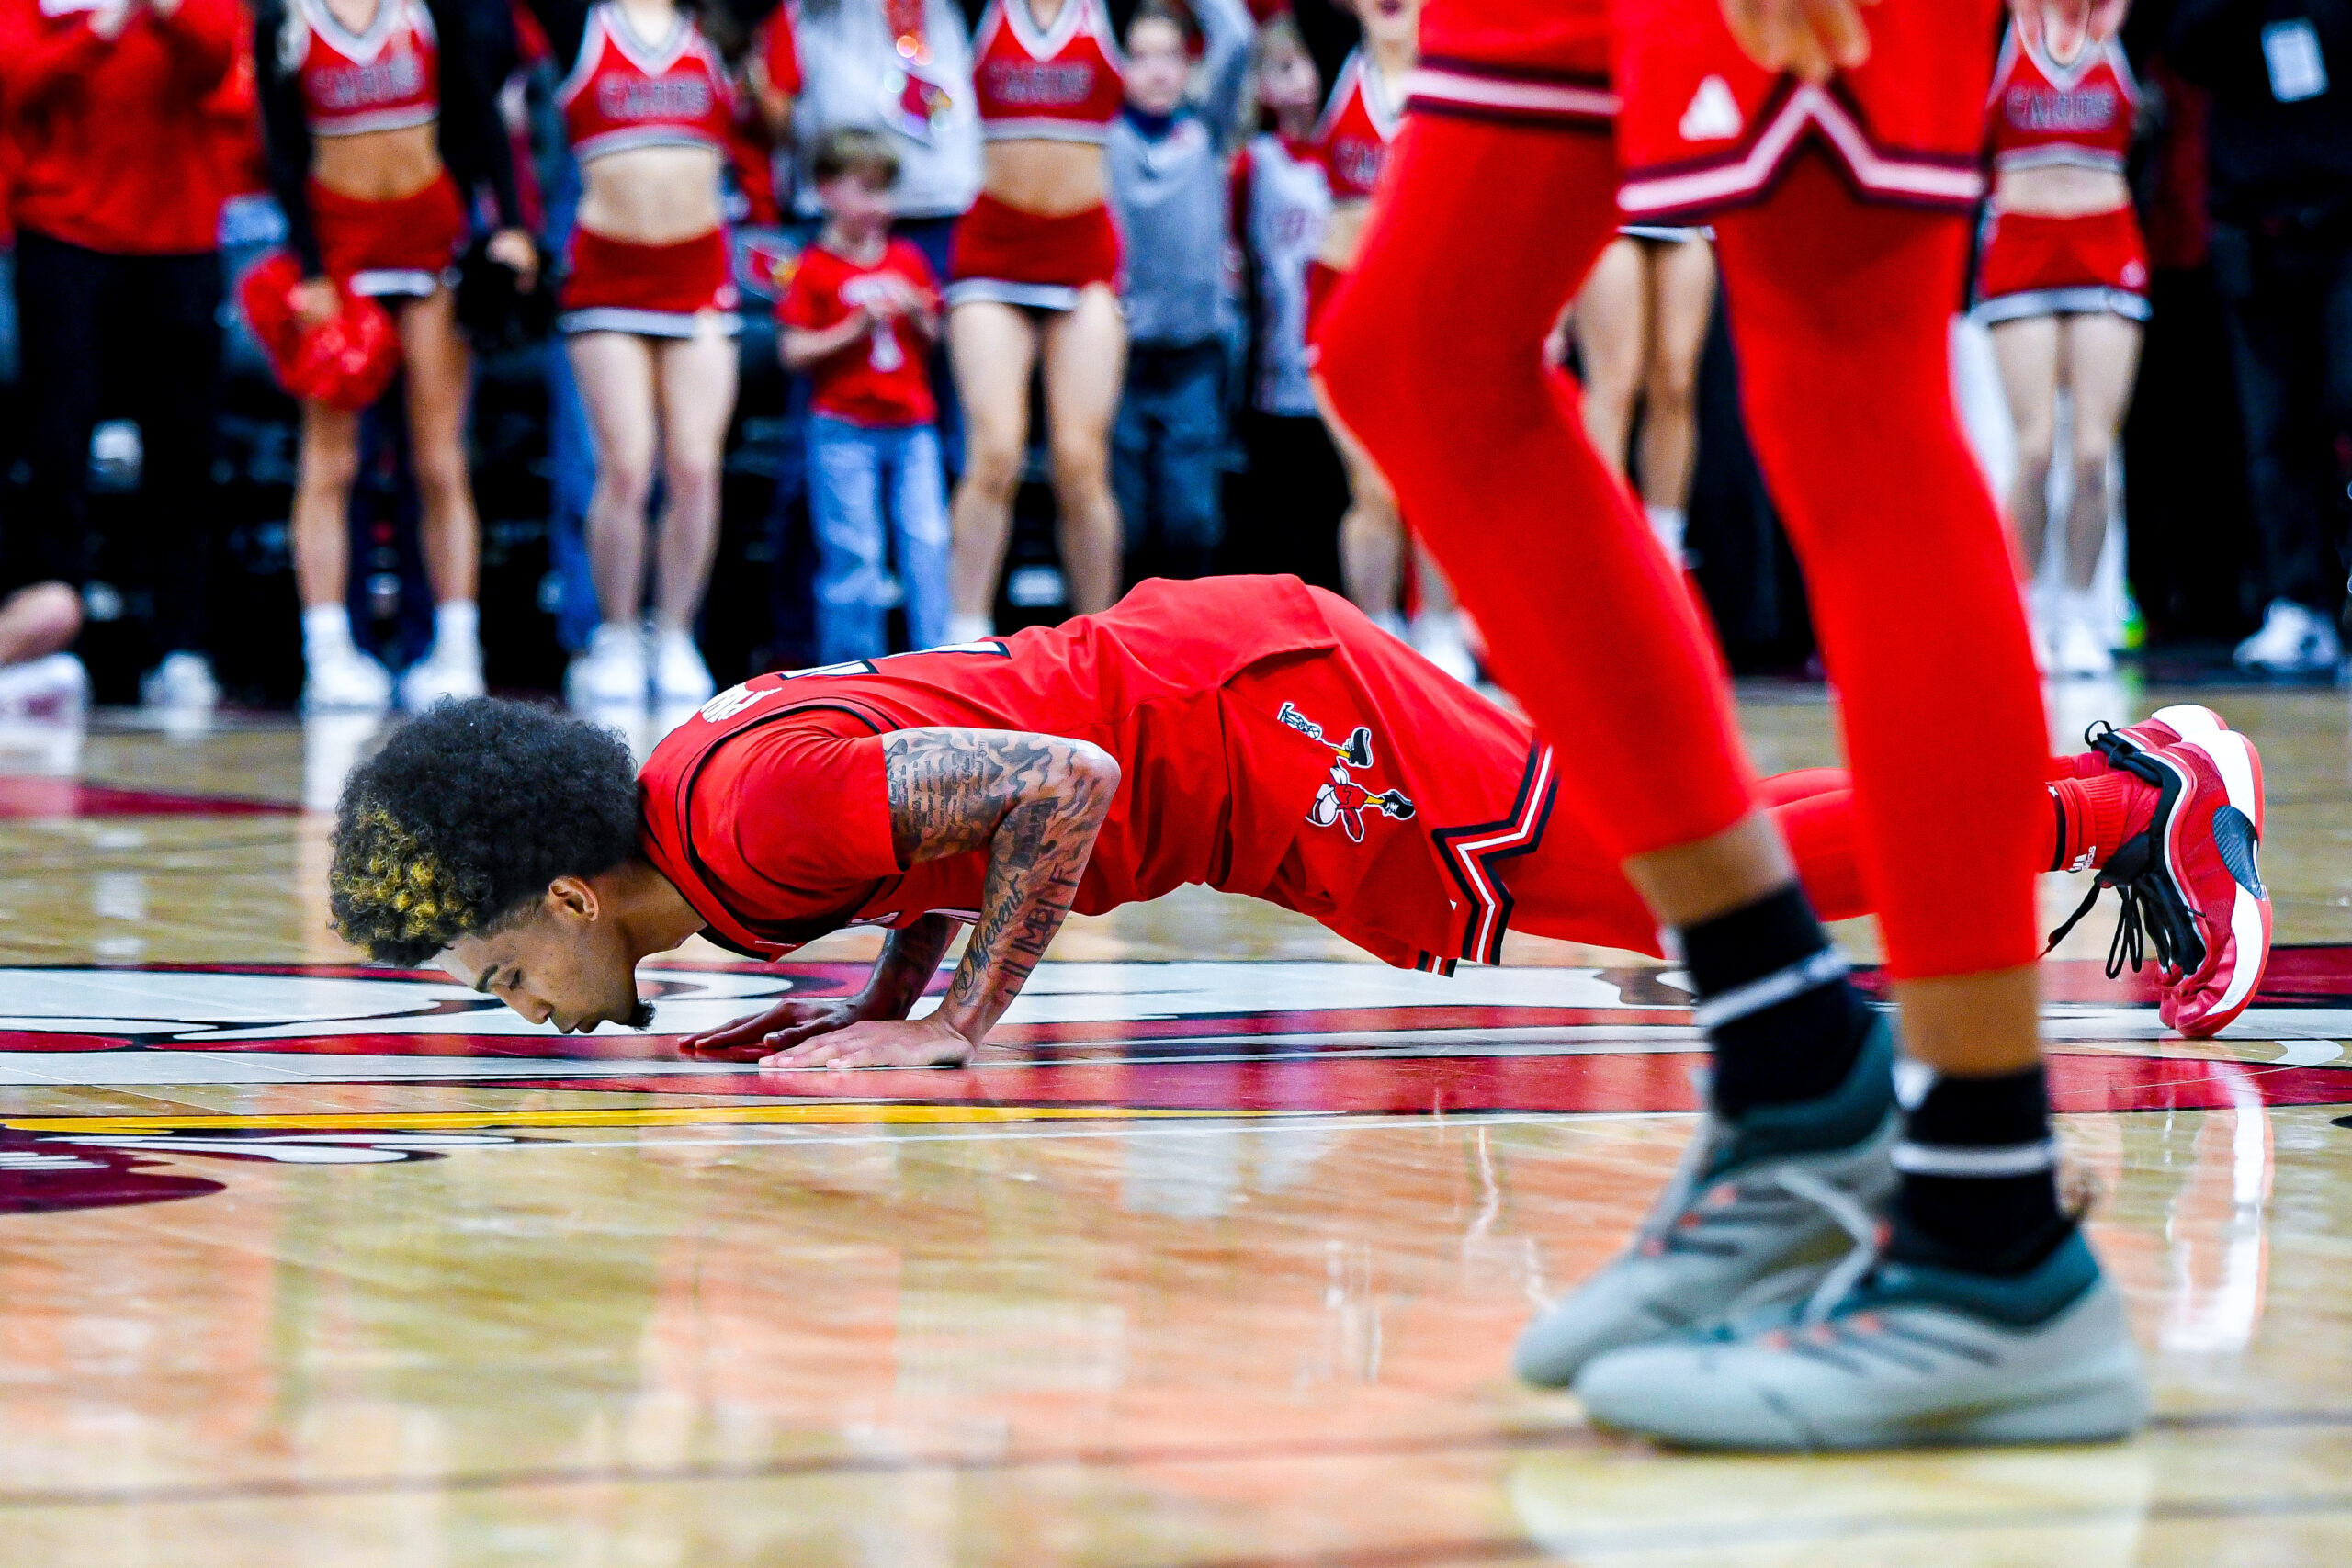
[(1787, 1026), (1980, 1188)]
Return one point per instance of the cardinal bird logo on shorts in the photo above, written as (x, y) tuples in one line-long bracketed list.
[(1343, 800)]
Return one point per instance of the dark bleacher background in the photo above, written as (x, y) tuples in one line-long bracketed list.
[(2192, 558)]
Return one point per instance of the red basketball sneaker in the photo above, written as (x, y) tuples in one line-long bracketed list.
[(2191, 881)]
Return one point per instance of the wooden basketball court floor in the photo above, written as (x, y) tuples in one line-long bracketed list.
[(1216, 1260)]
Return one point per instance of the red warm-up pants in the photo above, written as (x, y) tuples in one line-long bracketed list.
[(1840, 312)]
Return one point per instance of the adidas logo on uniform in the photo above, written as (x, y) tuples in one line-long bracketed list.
[(1713, 114)]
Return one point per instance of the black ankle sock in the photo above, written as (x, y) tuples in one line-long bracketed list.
[(1979, 1188), (1776, 1049)]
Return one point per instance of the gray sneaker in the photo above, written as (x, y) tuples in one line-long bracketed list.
[(1904, 1356), (1760, 1209)]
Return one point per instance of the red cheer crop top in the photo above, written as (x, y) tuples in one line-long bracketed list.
[(386, 77), (2041, 113), (624, 93), (1064, 84)]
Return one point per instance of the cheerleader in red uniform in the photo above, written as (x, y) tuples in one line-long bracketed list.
[(2063, 282), (379, 120), (1358, 121), (1033, 279), (648, 308)]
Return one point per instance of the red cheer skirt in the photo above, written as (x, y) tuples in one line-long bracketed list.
[(404, 247), (1014, 257), (613, 286), (2038, 266)]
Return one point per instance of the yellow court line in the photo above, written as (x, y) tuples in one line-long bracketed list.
[(829, 1114)]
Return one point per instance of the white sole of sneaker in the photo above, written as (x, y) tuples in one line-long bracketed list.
[(2233, 757), (2103, 1409)]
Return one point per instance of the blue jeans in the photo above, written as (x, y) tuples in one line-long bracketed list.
[(868, 488), (1167, 456)]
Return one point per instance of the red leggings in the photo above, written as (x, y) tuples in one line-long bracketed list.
[(1839, 312)]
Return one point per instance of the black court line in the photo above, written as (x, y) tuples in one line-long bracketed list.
[(292, 1488)]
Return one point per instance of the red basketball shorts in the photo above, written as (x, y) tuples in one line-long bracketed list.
[(1704, 128), (615, 286), (1031, 259), (1700, 125), (2036, 266), (390, 249)]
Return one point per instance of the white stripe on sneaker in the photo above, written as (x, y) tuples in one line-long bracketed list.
[(1741, 1001), (2231, 757), (1954, 1159)]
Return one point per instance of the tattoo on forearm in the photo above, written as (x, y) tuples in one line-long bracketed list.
[(910, 957), (1034, 803)]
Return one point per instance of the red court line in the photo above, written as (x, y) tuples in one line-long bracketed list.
[(22, 797)]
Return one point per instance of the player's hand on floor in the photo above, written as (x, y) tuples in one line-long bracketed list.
[(763, 1034), (915, 1042)]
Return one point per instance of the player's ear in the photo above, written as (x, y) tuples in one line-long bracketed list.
[(572, 897)]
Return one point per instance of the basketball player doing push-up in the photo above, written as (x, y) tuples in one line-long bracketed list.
[(1252, 733)]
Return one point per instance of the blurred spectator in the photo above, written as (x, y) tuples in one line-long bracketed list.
[(1168, 153), (861, 313), (2280, 76), (772, 70), (902, 68), (117, 204), (1281, 199)]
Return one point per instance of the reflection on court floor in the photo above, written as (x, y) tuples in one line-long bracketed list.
[(1213, 1258)]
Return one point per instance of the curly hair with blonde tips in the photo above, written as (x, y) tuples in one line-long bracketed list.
[(465, 817)]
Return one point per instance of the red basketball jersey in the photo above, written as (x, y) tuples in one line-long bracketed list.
[(386, 77), (624, 91), (1063, 84), (769, 810), (2042, 113), (1358, 121)]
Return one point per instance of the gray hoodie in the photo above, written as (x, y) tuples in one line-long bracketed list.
[(1170, 191)]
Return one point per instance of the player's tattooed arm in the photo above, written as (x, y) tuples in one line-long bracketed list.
[(910, 957), (1033, 803)]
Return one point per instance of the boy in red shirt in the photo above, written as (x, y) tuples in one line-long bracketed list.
[(859, 320)]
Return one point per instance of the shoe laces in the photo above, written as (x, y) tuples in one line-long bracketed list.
[(1660, 1226), (1857, 1221), (1783, 1286), (2152, 914), (1662, 1230)]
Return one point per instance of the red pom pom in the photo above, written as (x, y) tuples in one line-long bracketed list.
[(345, 363)]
